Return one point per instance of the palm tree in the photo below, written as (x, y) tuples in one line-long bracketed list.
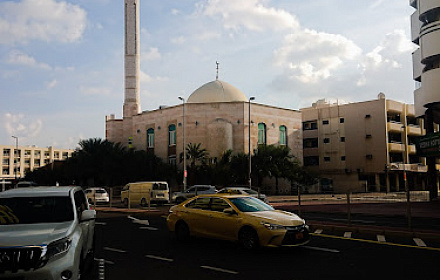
[(195, 154)]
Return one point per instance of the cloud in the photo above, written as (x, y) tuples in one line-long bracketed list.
[(145, 78), (19, 58), (21, 126), (151, 54), (95, 90), (44, 20), (310, 56), (249, 14), (51, 84), (178, 40)]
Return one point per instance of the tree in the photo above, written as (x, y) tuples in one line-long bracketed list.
[(195, 154)]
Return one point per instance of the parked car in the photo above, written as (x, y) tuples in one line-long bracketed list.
[(179, 197), (144, 193), (245, 219), (97, 195), (45, 233), (244, 191)]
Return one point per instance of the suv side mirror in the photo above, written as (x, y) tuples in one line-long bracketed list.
[(88, 215)]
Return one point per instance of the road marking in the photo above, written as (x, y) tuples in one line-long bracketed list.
[(347, 234), (114, 250), (137, 221), (381, 238), (101, 269), (100, 223), (419, 242), (105, 261), (376, 242), (321, 249), (149, 228), (159, 258), (219, 269), (318, 231)]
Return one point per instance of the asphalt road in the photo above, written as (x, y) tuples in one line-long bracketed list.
[(141, 247)]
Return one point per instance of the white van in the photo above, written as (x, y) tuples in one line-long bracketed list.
[(145, 192)]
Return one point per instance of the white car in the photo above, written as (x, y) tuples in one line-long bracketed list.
[(45, 233), (97, 195)]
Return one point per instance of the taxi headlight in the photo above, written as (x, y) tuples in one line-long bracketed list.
[(270, 226)]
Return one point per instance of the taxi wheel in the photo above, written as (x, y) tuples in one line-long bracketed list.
[(248, 238), (182, 231)]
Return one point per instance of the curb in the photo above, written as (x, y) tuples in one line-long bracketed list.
[(333, 228)]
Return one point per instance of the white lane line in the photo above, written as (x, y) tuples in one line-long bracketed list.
[(100, 223), (419, 242), (114, 250), (219, 269), (318, 231), (321, 249), (105, 261), (381, 238), (347, 234), (149, 228), (159, 258), (137, 221)]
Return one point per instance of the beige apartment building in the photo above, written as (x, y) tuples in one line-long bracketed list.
[(364, 146), (15, 162)]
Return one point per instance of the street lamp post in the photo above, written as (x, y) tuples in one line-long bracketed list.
[(15, 161), (184, 150), (250, 155)]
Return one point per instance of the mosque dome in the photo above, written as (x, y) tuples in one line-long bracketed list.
[(217, 91)]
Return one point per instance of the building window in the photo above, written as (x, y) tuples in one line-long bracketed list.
[(325, 122), (341, 120), (261, 134), (327, 159), (172, 160), (310, 125), (342, 139), (342, 158), (310, 143), (311, 161), (150, 138), (172, 135), (283, 135), (6, 152), (326, 140)]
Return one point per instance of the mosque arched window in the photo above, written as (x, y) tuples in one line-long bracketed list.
[(172, 135), (261, 134), (150, 138), (283, 135)]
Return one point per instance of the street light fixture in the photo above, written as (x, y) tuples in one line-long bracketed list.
[(15, 161), (250, 156), (184, 150)]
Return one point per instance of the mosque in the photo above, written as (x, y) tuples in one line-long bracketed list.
[(217, 115)]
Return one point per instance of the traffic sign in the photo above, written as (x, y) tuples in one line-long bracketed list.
[(428, 145)]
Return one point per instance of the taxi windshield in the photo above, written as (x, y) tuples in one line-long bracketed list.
[(250, 204), (32, 210)]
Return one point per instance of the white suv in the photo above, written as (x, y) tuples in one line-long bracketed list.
[(45, 233)]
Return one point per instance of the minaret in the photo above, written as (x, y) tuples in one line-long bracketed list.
[(132, 59)]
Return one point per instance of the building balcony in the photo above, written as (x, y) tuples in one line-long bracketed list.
[(394, 106), (428, 93), (430, 42), (394, 127), (412, 149), (416, 24), (427, 5), (414, 130), (396, 147)]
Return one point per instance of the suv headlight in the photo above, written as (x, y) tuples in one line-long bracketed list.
[(55, 248), (270, 226)]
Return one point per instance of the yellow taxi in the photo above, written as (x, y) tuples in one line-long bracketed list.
[(241, 218)]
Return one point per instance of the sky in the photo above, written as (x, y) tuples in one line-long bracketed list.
[(62, 62)]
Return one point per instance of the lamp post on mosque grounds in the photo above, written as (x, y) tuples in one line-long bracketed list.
[(184, 150), (250, 154)]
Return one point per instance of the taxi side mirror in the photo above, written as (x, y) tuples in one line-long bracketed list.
[(229, 211)]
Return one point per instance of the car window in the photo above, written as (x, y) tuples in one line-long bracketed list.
[(199, 203), (100, 191), (219, 204), (250, 204), (80, 202), (160, 187), (88, 191), (33, 210)]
